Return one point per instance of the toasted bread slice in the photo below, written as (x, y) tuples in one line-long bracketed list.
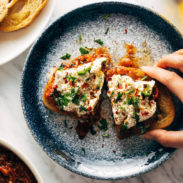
[(21, 14), (4, 5), (78, 83), (162, 117)]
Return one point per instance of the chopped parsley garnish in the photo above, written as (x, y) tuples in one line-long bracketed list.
[(119, 97), (129, 91), (124, 126), (107, 30), (83, 51), (99, 41), (80, 37), (132, 101), (144, 78), (83, 72), (123, 108), (66, 56), (124, 155), (103, 125), (98, 86), (105, 135), (146, 94), (107, 16), (61, 67), (136, 102), (75, 98), (83, 150), (128, 100), (71, 78), (83, 98), (65, 123), (92, 131), (62, 101), (87, 79), (136, 116), (82, 108), (112, 93)]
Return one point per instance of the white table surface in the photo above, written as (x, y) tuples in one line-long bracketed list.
[(13, 127)]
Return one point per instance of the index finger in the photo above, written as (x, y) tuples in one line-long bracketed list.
[(166, 138), (170, 79), (173, 60)]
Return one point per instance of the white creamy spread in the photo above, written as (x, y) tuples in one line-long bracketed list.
[(130, 100), (80, 87)]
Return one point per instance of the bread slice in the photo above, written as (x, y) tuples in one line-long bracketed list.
[(75, 88), (157, 110), (3, 10), (21, 14)]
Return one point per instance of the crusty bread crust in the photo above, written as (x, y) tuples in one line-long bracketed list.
[(29, 9), (3, 9), (164, 103)]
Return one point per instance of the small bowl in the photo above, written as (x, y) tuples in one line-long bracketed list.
[(24, 159)]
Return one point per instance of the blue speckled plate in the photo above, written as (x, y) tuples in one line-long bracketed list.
[(95, 156)]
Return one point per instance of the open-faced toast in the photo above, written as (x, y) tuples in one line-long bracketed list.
[(139, 103), (21, 14), (75, 87)]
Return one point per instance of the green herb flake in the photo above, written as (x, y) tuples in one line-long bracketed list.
[(92, 131), (105, 135), (129, 91), (65, 124), (107, 16), (83, 150), (83, 72), (136, 116), (112, 93), (71, 78), (87, 79), (107, 30), (136, 102), (99, 41), (62, 101), (84, 97), (74, 95), (83, 51), (82, 108), (124, 126), (123, 155), (144, 78), (103, 125), (148, 94), (128, 100), (80, 37), (66, 56), (123, 108), (119, 97), (61, 67)]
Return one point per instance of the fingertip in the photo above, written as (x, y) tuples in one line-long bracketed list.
[(153, 134)]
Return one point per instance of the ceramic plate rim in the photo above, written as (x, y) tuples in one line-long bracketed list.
[(23, 107)]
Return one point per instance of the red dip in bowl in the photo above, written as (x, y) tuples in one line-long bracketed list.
[(12, 169)]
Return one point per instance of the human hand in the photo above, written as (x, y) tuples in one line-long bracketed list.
[(175, 84)]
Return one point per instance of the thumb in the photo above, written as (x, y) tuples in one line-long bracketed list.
[(166, 138)]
